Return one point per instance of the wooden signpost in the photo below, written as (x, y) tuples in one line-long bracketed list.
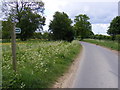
[(14, 31)]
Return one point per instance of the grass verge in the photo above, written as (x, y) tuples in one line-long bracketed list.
[(109, 44), (39, 63)]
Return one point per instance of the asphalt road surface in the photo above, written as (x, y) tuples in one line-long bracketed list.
[(98, 68)]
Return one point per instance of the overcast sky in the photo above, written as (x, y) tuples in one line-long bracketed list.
[(101, 12)]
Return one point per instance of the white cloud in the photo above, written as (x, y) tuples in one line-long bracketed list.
[(100, 28), (51, 6), (100, 12)]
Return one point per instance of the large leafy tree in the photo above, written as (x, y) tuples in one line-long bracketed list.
[(61, 28), (114, 28), (82, 26), (6, 29), (29, 23), (27, 15)]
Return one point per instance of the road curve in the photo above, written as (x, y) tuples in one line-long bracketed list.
[(98, 68)]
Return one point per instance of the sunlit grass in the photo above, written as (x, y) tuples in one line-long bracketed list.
[(39, 63), (109, 44)]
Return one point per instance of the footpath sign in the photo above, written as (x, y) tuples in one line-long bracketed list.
[(17, 30)]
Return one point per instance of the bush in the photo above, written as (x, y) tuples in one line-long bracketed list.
[(37, 35), (117, 37), (102, 37)]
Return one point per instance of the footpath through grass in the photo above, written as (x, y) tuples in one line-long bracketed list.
[(39, 63), (109, 44)]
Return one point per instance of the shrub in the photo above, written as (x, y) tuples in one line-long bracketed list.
[(117, 37)]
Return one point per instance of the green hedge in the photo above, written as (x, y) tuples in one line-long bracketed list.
[(117, 37), (105, 37)]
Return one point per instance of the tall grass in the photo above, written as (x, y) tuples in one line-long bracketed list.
[(39, 63), (109, 44)]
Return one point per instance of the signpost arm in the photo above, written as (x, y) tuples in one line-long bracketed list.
[(13, 36)]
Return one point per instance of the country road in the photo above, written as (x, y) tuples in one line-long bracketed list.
[(98, 68)]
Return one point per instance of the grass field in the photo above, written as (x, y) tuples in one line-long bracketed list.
[(39, 63), (109, 44)]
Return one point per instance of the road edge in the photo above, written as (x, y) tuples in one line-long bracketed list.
[(67, 80), (114, 51)]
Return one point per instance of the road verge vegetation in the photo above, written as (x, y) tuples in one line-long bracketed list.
[(107, 43), (39, 63)]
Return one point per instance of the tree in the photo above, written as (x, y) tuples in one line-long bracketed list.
[(6, 29), (89, 34), (29, 23), (61, 28), (82, 26), (114, 28), (27, 15)]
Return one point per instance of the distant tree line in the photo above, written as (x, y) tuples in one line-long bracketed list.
[(113, 31), (61, 27), (29, 17), (105, 37)]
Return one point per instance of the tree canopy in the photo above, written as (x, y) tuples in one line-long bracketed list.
[(82, 26), (61, 28), (29, 23), (114, 28), (28, 16), (6, 29)]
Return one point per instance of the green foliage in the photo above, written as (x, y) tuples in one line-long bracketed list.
[(39, 64), (27, 15), (118, 38), (61, 28), (82, 26), (109, 44), (37, 35), (7, 27), (46, 36), (114, 28), (0, 29), (105, 37), (29, 23)]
